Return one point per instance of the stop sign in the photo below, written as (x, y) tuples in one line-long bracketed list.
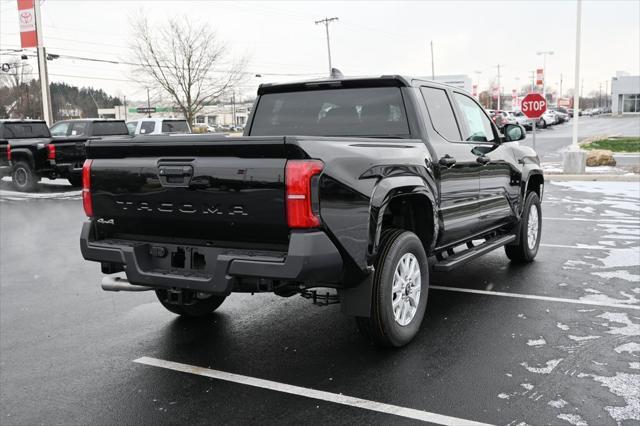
[(533, 105)]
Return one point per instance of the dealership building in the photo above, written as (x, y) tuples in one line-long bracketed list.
[(625, 94)]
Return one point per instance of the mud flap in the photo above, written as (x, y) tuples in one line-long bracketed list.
[(356, 301)]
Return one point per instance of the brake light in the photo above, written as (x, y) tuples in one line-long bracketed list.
[(51, 151), (8, 152), (87, 202), (298, 181)]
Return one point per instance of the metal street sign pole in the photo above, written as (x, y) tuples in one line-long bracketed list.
[(534, 134)]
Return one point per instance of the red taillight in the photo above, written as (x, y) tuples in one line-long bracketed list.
[(87, 202), (8, 152), (298, 176), (51, 151)]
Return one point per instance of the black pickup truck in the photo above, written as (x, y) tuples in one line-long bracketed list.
[(69, 138), (361, 185)]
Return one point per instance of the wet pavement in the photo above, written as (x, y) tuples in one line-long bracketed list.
[(553, 342)]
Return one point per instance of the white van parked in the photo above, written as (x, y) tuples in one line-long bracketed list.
[(158, 126)]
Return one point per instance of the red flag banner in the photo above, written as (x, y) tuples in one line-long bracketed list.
[(27, 18), (539, 76)]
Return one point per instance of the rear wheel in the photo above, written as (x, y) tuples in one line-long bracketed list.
[(543, 124), (23, 177), (199, 305), (526, 247), (400, 287)]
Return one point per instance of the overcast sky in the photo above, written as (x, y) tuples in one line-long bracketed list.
[(370, 38)]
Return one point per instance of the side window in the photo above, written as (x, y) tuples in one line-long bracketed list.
[(79, 128), (59, 129), (441, 112), (131, 127), (147, 127), (479, 126)]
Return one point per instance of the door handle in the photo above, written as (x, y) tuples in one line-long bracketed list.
[(447, 161), (175, 175), (483, 159)]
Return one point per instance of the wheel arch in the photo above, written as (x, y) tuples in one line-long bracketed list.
[(404, 203), (22, 154)]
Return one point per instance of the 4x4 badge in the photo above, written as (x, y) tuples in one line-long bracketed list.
[(106, 222)]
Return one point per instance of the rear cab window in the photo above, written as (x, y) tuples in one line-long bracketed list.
[(175, 126), (109, 128), (25, 130), (355, 112)]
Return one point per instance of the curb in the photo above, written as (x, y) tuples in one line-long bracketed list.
[(595, 178)]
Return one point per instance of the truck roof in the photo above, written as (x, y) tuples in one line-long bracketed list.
[(365, 81)]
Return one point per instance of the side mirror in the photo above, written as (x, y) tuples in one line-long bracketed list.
[(514, 132)]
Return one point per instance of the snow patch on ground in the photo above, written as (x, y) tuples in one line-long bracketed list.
[(574, 419), (527, 386), (621, 274), (630, 347), (604, 299), (503, 396), (626, 386), (550, 365), (630, 328), (558, 403), (634, 365), (537, 342), (582, 338), (562, 326)]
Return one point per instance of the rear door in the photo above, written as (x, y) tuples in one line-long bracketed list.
[(497, 188), (458, 168)]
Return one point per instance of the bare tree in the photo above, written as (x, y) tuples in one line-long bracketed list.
[(187, 60), (15, 77)]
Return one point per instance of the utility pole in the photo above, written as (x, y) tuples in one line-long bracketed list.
[(233, 106), (499, 88), (125, 108), (600, 96), (326, 22), (606, 94), (433, 69), (47, 114), (148, 104), (533, 81), (560, 84), (544, 71)]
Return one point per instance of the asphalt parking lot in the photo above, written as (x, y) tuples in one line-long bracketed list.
[(553, 342)]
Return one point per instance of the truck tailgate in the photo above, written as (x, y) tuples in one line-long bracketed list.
[(70, 151), (211, 191)]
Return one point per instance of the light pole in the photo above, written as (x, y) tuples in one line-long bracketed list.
[(544, 70), (574, 158)]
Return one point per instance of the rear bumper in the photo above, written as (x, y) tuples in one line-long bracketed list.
[(66, 169), (311, 258)]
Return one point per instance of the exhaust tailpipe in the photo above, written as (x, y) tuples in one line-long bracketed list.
[(119, 283)]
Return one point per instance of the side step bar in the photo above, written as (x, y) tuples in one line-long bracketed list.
[(118, 283), (459, 259)]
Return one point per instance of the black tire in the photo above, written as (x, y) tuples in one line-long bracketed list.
[(75, 181), (382, 328), (522, 251), (543, 124), (200, 308), (23, 177)]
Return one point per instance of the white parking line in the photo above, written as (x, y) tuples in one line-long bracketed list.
[(533, 296), (581, 246), (581, 219), (307, 392)]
